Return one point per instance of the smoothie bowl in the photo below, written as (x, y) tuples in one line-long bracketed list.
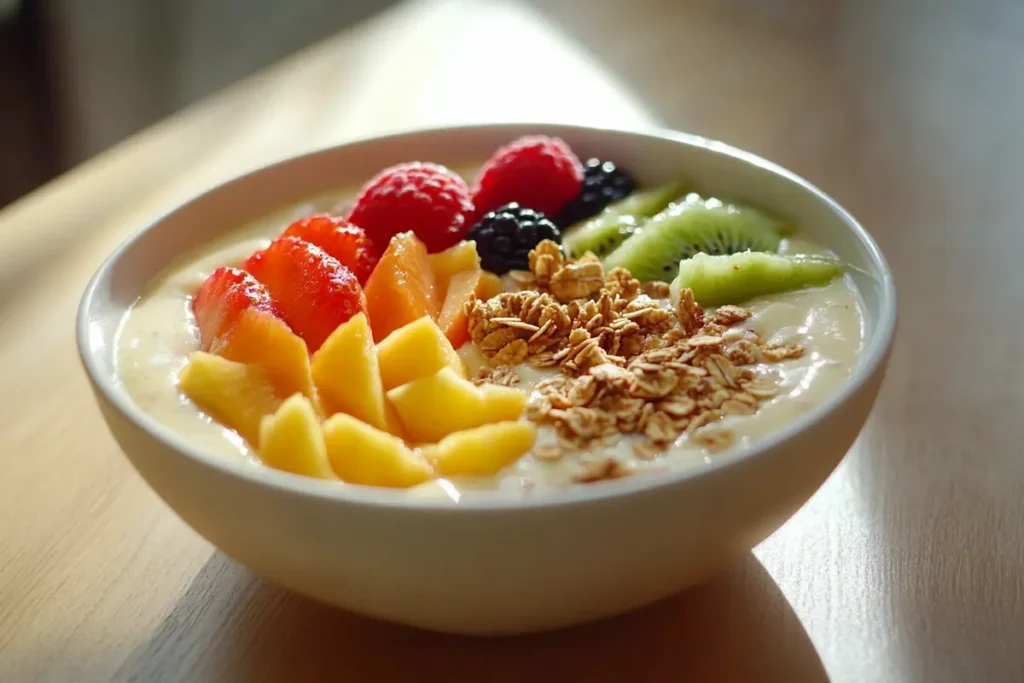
[(492, 379)]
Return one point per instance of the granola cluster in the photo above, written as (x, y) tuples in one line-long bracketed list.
[(630, 364), (568, 314)]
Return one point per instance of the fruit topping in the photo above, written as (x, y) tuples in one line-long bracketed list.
[(689, 227), (416, 350), (314, 291), (259, 338), (536, 171), (462, 256), (481, 451), (734, 278), (402, 288), (426, 198), (340, 239), (603, 183), (292, 440), (221, 299), (234, 394), (434, 406), (361, 454), (610, 228), (505, 237), (489, 285), (502, 403), (347, 374), (452, 319)]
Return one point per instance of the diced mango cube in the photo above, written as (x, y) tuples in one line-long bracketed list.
[(361, 454), (488, 286), (237, 395), (292, 440), (416, 350), (259, 338), (481, 451), (347, 375), (462, 256), (502, 403), (434, 406)]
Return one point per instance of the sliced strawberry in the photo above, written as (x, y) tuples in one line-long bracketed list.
[(339, 238), (222, 298), (313, 290)]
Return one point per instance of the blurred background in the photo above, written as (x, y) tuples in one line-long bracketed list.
[(77, 76)]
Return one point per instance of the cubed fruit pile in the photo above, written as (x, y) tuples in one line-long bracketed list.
[(332, 350)]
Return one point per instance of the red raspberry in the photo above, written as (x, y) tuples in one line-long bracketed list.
[(340, 239), (426, 198), (539, 172)]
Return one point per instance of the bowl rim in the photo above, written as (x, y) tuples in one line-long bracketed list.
[(873, 354)]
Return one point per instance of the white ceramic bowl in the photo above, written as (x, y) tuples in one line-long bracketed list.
[(490, 566)]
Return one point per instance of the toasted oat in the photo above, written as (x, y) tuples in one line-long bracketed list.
[(504, 375), (629, 365), (602, 470), (545, 260), (729, 315), (577, 280), (715, 440), (656, 290), (548, 452)]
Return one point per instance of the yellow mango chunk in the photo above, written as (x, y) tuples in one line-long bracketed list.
[(433, 407), (291, 440), (481, 451), (502, 403), (347, 375), (416, 350), (488, 286), (236, 395), (462, 256), (361, 454)]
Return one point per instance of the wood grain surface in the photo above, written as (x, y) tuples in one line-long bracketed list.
[(907, 566)]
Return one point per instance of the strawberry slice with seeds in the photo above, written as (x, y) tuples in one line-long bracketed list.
[(222, 298), (339, 238), (313, 290)]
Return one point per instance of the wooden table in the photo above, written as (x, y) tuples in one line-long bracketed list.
[(908, 565)]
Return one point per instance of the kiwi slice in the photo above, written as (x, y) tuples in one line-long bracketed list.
[(610, 228), (689, 227), (734, 278)]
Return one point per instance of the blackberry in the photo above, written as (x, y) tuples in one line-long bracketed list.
[(505, 236), (603, 184)]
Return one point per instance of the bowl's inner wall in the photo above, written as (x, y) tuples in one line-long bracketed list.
[(712, 169)]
